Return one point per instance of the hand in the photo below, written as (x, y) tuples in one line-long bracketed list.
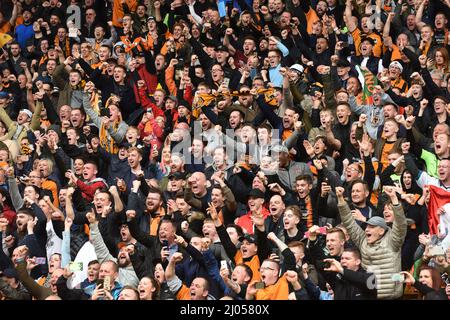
[(31, 263), (318, 164), (272, 237), (340, 192), (91, 217), (185, 226), (409, 279), (172, 206), (423, 104), (180, 241), (424, 239), (325, 190), (364, 145), (70, 192), (309, 148), (258, 220), (28, 201), (212, 211), (131, 214), (3, 224), (165, 253), (314, 231), (362, 120), (409, 122), (335, 266), (358, 215), (67, 273), (390, 191), (305, 270), (291, 276), (276, 188), (99, 292), (68, 224)]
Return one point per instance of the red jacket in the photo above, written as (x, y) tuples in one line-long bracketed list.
[(88, 189), (246, 222)]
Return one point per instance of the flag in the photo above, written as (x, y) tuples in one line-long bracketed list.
[(4, 39), (438, 198), (368, 81)]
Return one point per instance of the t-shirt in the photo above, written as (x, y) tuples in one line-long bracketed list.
[(277, 291)]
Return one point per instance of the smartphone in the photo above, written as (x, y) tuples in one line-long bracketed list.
[(165, 243), (398, 277), (75, 266), (260, 285), (107, 283), (104, 112), (436, 251), (226, 82), (223, 264), (40, 260), (149, 110)]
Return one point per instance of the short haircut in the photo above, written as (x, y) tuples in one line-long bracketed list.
[(305, 177), (93, 262), (247, 269), (365, 184), (299, 244), (295, 210), (114, 265), (355, 251), (338, 231)]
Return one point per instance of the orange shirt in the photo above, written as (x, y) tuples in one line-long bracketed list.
[(118, 11), (184, 293), (254, 264), (277, 291), (246, 222), (377, 48)]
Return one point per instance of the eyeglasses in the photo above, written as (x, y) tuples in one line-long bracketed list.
[(34, 177), (266, 268)]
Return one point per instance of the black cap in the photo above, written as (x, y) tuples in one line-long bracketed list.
[(10, 273), (151, 18), (177, 175), (124, 144), (222, 48), (250, 238), (368, 39), (256, 193)]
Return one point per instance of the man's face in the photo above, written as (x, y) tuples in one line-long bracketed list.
[(77, 118), (343, 113), (217, 197), (107, 269), (21, 221), (373, 233), (205, 122), (299, 254), (248, 249), (389, 111), (411, 22), (289, 119), (209, 230), (352, 172), (134, 159), (276, 206), (240, 275), (123, 258), (197, 289), (303, 188), (44, 168), (176, 184), (235, 119), (159, 62), (54, 263), (166, 231), (443, 170), (159, 99), (263, 135), (321, 45), (101, 201), (439, 106), (269, 272), (255, 204), (390, 129), (366, 48), (182, 205), (89, 171), (274, 59), (440, 21), (359, 194), (290, 220), (153, 201), (441, 144), (334, 244), (22, 118), (248, 47), (349, 261), (119, 75), (197, 148), (15, 50), (198, 183)]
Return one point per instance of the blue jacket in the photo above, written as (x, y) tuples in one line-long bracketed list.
[(23, 33)]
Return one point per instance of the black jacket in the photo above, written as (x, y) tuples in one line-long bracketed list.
[(352, 285)]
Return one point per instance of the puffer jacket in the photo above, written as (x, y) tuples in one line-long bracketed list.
[(383, 258)]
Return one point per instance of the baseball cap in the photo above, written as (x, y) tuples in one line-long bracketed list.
[(151, 18), (396, 64), (297, 67), (173, 98), (4, 95), (343, 63), (222, 48), (10, 273), (377, 222), (248, 237), (255, 193), (177, 175)]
